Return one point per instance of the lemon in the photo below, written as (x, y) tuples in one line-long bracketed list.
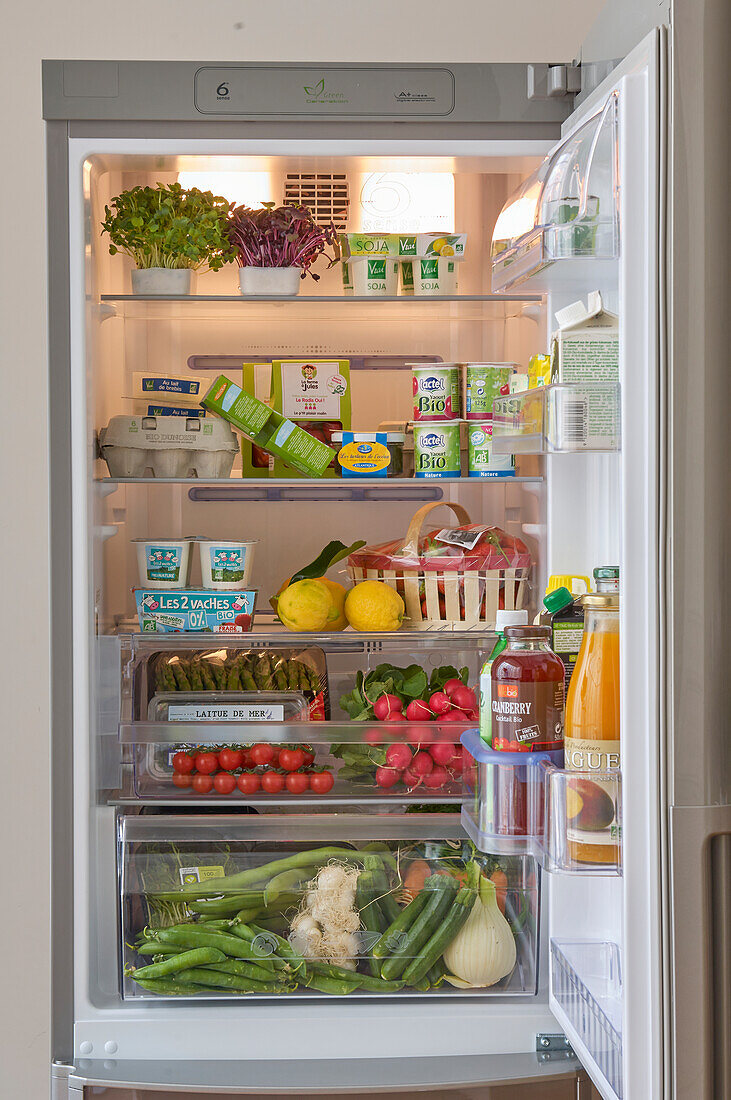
[(307, 606), (374, 605), (438, 245), (338, 594), (446, 250)]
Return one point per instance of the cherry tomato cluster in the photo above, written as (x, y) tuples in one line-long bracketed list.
[(259, 767), (433, 765)]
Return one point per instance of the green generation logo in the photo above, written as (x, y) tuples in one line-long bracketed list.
[(318, 93)]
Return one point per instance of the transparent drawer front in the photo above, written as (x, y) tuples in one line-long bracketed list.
[(272, 762), (586, 979), (353, 907), (560, 417), (527, 802)]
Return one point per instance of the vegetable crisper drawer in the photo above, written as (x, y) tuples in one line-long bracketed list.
[(358, 906)]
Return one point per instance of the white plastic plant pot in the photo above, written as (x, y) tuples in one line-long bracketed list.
[(163, 563), (170, 446), (162, 280), (226, 564), (374, 276), (434, 277), (264, 281)]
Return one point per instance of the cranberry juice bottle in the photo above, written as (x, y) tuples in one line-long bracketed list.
[(527, 715)]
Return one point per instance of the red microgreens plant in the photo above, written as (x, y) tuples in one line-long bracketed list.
[(280, 236)]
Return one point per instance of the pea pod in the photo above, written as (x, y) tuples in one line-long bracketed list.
[(327, 985), (214, 979), (230, 903), (198, 937), (183, 961), (362, 981), (393, 935), (441, 937), (243, 969), (152, 947), (440, 890), (167, 987), (277, 952)]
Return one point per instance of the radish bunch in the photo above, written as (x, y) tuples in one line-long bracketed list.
[(433, 766)]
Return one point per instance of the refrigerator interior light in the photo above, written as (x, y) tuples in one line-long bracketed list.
[(518, 217), (243, 188)]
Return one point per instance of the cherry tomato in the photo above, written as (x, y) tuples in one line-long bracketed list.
[(321, 782), (297, 782), (182, 780), (272, 782), (248, 783), (309, 758), (247, 762), (224, 783), (261, 754), (183, 763), (206, 763), (202, 784), (291, 759), (230, 759)]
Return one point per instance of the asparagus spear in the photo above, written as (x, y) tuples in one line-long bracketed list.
[(180, 674), (209, 684), (194, 676)]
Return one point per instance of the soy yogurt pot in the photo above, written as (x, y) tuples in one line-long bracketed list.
[(163, 563), (226, 564)]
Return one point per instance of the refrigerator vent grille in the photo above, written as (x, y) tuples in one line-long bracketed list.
[(325, 194)]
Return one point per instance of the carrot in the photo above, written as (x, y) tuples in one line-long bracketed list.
[(500, 879), (415, 878)]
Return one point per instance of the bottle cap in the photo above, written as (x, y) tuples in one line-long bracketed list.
[(510, 618), (557, 600), (565, 580), (541, 633), (601, 601), (606, 572)]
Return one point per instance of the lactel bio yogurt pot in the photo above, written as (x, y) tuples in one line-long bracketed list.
[(163, 563), (436, 391), (482, 461), (486, 382), (437, 449), (226, 563)]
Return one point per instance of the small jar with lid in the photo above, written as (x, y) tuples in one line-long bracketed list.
[(363, 455), (606, 578)]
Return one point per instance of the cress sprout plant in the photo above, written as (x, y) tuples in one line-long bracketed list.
[(280, 236), (169, 226)]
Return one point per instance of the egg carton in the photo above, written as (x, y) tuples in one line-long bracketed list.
[(168, 446)]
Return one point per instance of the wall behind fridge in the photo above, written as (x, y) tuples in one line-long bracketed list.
[(236, 30)]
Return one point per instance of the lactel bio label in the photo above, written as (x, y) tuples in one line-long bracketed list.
[(436, 392), (437, 449)]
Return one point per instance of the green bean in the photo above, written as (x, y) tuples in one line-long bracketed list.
[(184, 961), (230, 884)]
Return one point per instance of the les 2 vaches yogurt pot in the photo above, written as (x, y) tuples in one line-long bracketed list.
[(163, 563), (226, 563)]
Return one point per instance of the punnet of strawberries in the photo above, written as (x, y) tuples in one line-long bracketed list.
[(472, 546)]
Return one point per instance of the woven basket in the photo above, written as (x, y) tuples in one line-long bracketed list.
[(473, 583)]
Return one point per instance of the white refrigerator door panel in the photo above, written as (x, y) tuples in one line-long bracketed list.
[(606, 513)]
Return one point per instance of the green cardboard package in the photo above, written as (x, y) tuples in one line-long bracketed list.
[(268, 429)]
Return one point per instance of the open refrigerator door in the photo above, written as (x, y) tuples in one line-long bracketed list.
[(297, 518)]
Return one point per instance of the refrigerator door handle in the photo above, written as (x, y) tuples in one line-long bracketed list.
[(701, 949)]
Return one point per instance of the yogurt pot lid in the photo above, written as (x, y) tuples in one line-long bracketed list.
[(226, 542), (166, 542)]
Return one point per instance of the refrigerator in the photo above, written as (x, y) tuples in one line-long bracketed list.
[(563, 189)]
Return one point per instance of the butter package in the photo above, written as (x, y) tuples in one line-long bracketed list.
[(585, 347), (159, 386), (268, 429), (189, 609)]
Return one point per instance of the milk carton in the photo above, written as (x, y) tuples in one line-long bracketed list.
[(585, 346)]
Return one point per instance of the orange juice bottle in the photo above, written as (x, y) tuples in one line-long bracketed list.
[(591, 735)]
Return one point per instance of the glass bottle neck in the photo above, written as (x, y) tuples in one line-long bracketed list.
[(527, 645)]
